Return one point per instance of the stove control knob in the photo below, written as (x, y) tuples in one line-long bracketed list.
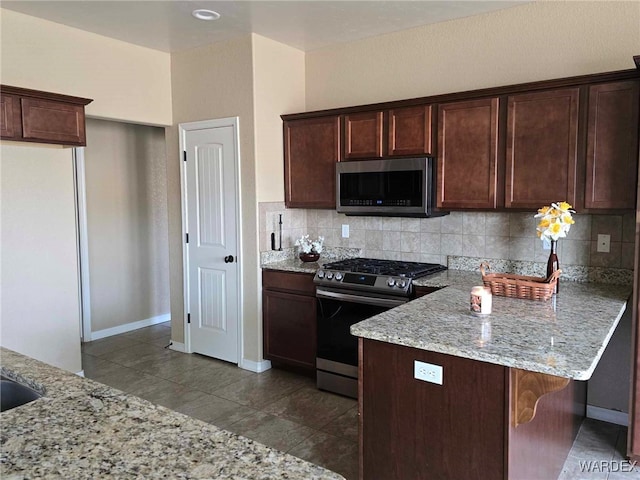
[(320, 274), (401, 283), (329, 275), (391, 282), (338, 276)]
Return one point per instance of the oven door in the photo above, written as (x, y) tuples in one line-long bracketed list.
[(337, 357)]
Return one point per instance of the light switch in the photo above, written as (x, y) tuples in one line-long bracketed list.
[(345, 231), (604, 243), (428, 372)]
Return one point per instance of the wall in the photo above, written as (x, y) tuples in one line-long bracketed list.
[(608, 387), (488, 235), (470, 53), (125, 173), (214, 81), (126, 82), (278, 88), (243, 78), (535, 41), (40, 312)]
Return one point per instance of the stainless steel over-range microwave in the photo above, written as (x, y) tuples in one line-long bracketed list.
[(400, 187)]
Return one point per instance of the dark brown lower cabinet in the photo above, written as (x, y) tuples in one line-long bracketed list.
[(289, 319), (474, 425)]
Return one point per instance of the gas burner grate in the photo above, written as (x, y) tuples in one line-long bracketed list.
[(386, 267)]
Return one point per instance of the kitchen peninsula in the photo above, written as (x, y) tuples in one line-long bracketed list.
[(511, 391), (82, 429)]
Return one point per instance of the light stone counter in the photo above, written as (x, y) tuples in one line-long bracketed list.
[(564, 336), (82, 429), (287, 261)]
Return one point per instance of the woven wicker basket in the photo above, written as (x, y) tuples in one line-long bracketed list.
[(519, 286)]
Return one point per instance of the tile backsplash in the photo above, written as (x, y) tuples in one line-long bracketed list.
[(499, 235)]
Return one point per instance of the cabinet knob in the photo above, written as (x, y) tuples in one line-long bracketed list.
[(229, 259)]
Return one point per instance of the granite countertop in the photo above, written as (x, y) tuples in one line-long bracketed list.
[(82, 429), (293, 265), (564, 336), (287, 261)]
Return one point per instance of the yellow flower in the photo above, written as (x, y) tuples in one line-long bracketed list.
[(555, 228), (543, 210), (555, 221)]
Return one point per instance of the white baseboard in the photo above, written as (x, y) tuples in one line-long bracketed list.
[(129, 327), (257, 367), (177, 346), (606, 415), (80, 373)]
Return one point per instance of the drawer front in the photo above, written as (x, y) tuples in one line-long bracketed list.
[(301, 283)]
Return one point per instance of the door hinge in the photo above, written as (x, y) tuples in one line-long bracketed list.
[(186, 238), (188, 318), (184, 155)]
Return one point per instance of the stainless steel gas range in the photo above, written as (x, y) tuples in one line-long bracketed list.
[(349, 291)]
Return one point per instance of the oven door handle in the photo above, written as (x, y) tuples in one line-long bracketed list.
[(347, 297)]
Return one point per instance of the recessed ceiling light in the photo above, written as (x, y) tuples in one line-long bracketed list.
[(204, 14)]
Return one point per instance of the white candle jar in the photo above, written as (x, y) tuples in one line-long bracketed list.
[(481, 301)]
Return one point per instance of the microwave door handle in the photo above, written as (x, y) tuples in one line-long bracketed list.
[(347, 297)]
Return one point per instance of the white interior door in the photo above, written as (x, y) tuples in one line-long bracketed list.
[(211, 209)]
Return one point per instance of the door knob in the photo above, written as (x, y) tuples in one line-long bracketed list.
[(229, 259)]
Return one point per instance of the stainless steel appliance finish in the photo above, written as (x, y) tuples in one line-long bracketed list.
[(371, 276), (402, 187), (348, 292)]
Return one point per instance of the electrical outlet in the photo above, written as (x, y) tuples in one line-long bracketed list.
[(604, 243), (428, 372), (345, 231)]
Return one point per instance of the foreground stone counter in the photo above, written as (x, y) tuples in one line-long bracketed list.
[(564, 336), (82, 429)]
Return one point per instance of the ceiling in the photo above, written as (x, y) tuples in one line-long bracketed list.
[(306, 25)]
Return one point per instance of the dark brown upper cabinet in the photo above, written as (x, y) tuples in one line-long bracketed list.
[(363, 135), (311, 150), (468, 154), (42, 117), (542, 143), (511, 147), (612, 146), (395, 132), (409, 131), (10, 121)]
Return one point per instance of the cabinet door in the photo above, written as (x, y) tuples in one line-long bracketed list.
[(53, 122), (289, 325), (468, 154), (10, 122), (311, 150), (612, 146), (410, 131), (363, 135), (412, 429), (542, 138)]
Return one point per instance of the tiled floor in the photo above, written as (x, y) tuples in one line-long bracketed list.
[(277, 408), (286, 411)]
